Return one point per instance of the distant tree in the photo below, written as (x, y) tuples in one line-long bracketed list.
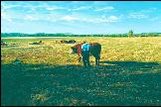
[(130, 34)]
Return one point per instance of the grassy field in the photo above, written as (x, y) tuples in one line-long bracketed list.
[(48, 74)]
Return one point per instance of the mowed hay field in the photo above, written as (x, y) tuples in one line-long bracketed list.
[(48, 74)]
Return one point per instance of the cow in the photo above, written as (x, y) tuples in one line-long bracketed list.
[(3, 43), (71, 41), (95, 50)]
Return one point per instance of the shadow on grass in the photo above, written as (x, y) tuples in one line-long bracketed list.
[(112, 83)]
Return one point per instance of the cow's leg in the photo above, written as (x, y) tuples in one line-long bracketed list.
[(97, 61), (84, 59), (87, 59), (88, 62), (79, 59)]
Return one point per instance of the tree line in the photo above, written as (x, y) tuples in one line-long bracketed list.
[(129, 34)]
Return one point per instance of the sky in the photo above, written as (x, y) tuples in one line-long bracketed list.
[(80, 17)]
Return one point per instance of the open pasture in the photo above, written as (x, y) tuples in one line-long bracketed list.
[(48, 74)]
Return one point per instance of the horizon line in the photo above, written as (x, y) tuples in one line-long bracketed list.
[(76, 33)]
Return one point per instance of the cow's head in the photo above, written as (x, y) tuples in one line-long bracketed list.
[(74, 49)]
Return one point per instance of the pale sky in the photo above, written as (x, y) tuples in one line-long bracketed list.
[(80, 17)]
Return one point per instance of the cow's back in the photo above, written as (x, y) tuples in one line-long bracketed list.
[(95, 49)]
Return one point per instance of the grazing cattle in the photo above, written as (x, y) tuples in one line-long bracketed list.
[(62, 41), (70, 41), (95, 50), (36, 43)]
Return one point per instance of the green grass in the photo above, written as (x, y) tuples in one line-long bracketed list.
[(129, 73)]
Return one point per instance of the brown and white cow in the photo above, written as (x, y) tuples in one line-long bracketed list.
[(95, 50)]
